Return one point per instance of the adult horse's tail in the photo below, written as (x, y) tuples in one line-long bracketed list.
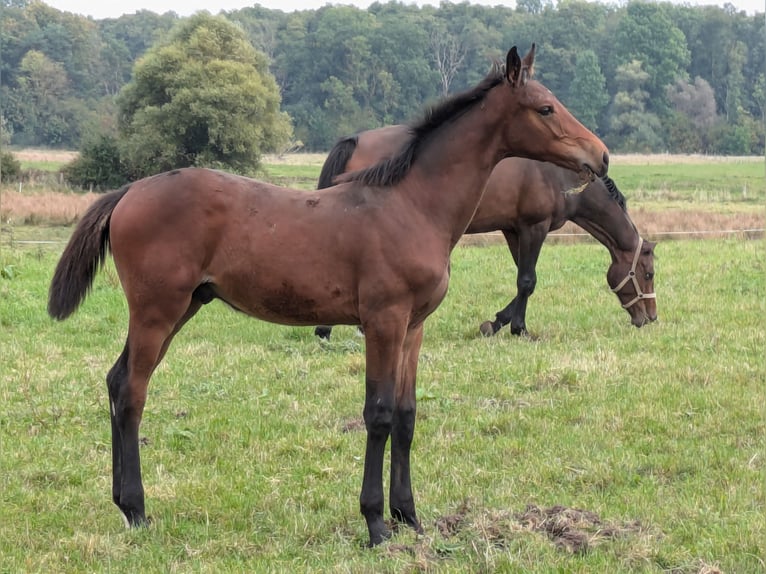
[(334, 165), (83, 255), (336, 161)]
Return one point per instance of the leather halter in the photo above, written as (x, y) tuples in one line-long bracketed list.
[(632, 277)]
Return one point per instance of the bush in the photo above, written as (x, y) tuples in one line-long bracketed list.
[(10, 167), (98, 166)]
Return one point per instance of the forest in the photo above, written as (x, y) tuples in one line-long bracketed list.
[(647, 77)]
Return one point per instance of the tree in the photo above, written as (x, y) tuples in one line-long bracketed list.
[(98, 166), (646, 33), (46, 112), (448, 53), (693, 114), (696, 101), (587, 93), (202, 98), (632, 127)]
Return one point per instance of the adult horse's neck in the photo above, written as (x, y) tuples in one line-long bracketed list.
[(603, 215)]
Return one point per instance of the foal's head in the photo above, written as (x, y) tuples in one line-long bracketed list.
[(542, 128)]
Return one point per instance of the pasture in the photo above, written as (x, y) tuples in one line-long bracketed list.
[(591, 446)]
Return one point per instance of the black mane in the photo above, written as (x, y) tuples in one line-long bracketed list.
[(614, 192), (391, 171)]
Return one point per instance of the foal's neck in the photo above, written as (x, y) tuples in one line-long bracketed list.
[(453, 167)]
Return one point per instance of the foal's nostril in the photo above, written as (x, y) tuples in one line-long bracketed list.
[(606, 159)]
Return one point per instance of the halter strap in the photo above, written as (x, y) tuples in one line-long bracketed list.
[(631, 276)]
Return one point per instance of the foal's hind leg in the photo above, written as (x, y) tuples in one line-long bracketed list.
[(401, 500), (115, 380), (127, 383)]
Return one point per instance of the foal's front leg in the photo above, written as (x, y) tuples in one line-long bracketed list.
[(383, 355), (401, 499)]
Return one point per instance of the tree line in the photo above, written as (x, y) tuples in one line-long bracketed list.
[(645, 76)]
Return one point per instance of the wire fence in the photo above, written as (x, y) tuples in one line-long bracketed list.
[(7, 236)]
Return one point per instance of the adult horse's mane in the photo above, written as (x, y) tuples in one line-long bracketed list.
[(392, 170), (614, 192)]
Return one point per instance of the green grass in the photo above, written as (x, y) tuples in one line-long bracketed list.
[(252, 457), (730, 181), (43, 165), (296, 176)]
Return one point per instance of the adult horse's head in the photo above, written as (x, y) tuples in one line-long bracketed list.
[(633, 282), (543, 128)]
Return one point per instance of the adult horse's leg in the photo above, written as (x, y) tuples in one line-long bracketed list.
[(323, 332), (530, 242), (400, 498), (503, 317), (384, 340), (525, 245), (127, 383)]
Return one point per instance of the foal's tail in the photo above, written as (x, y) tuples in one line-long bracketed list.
[(336, 161), (83, 255)]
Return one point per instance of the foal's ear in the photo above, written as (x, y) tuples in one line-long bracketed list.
[(512, 66), (518, 71)]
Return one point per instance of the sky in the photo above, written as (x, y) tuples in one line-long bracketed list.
[(113, 9)]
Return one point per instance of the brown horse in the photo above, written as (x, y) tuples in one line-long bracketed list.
[(527, 199), (373, 251)]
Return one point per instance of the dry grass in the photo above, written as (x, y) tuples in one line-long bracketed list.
[(45, 155), (66, 208), (43, 207), (657, 225)]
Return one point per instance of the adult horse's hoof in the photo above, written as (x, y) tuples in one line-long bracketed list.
[(487, 329), (323, 332)]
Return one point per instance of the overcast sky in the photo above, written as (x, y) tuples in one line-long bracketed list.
[(114, 9)]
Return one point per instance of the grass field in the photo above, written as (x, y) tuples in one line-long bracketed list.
[(590, 447), (667, 195)]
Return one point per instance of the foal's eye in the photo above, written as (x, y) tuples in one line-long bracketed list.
[(649, 276), (545, 110)]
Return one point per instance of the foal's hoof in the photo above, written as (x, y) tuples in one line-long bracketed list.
[(379, 532), (407, 517), (133, 521), (379, 538), (487, 329)]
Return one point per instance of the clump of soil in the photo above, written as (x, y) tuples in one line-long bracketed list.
[(573, 529)]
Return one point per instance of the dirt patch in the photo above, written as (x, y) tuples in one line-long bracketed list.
[(353, 425), (573, 529), (450, 524)]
